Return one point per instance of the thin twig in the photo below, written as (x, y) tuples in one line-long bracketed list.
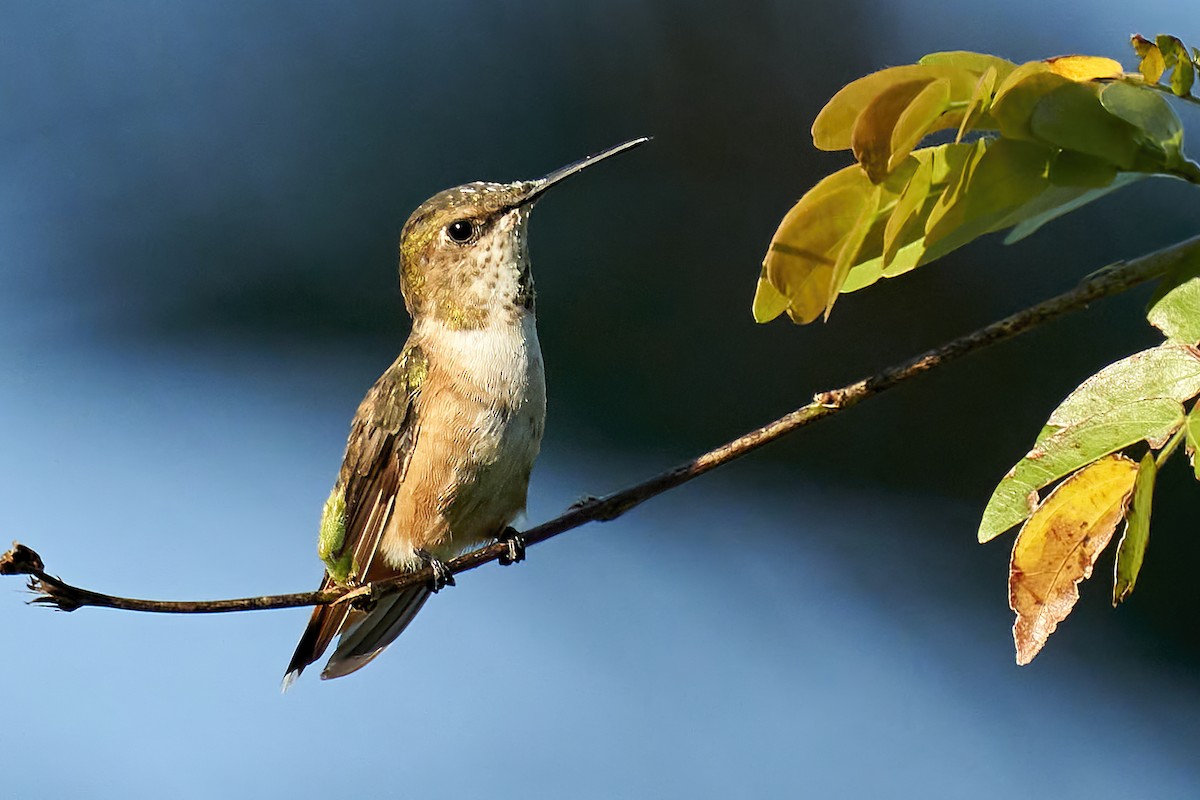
[(1112, 280)]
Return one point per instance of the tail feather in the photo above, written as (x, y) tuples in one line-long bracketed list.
[(363, 635), (367, 637), (323, 625)]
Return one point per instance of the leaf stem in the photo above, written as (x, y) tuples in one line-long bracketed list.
[(1188, 171), (1170, 447)]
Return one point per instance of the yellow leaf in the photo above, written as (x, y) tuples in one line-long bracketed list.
[(871, 138), (906, 243), (981, 99), (1018, 75), (834, 126), (768, 302), (955, 189), (915, 193), (1058, 547), (851, 246), (1085, 68), (979, 63), (800, 260), (1152, 65), (917, 120)]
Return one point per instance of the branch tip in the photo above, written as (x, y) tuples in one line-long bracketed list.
[(21, 560)]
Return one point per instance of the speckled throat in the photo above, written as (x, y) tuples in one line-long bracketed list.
[(464, 257), (483, 280)]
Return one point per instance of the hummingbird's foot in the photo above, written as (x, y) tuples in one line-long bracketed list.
[(442, 576), (365, 601), (515, 543)]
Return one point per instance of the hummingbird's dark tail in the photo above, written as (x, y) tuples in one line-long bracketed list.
[(363, 635), (323, 625), (366, 637)]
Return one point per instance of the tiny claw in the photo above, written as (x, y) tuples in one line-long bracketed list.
[(515, 542), (442, 576), (366, 600)]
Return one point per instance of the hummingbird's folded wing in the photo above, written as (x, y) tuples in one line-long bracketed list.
[(378, 451)]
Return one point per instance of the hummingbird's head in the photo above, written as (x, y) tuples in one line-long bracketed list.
[(464, 258)]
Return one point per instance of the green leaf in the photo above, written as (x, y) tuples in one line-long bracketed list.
[(1071, 117), (1192, 426), (1064, 452), (1072, 129), (973, 189), (1057, 201), (955, 187), (1080, 171), (1183, 77), (1019, 95), (1175, 57), (1169, 371), (1132, 548), (1005, 177), (1147, 111), (863, 275), (1175, 306), (1171, 47)]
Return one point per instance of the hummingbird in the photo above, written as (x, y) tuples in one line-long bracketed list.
[(441, 448)]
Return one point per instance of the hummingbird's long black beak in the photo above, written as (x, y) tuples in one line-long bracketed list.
[(539, 187)]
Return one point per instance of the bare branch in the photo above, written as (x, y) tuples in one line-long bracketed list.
[(1111, 280)]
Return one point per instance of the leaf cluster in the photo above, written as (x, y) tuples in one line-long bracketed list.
[(1167, 54), (1148, 402), (1028, 143)]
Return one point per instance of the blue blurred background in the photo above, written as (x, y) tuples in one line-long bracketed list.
[(197, 283)]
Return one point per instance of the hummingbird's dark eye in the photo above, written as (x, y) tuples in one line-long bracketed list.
[(461, 230)]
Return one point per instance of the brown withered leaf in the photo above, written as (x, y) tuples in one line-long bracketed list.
[(1058, 547)]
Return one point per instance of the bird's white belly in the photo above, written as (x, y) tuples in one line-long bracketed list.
[(503, 438)]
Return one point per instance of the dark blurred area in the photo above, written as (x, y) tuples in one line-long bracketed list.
[(224, 183)]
